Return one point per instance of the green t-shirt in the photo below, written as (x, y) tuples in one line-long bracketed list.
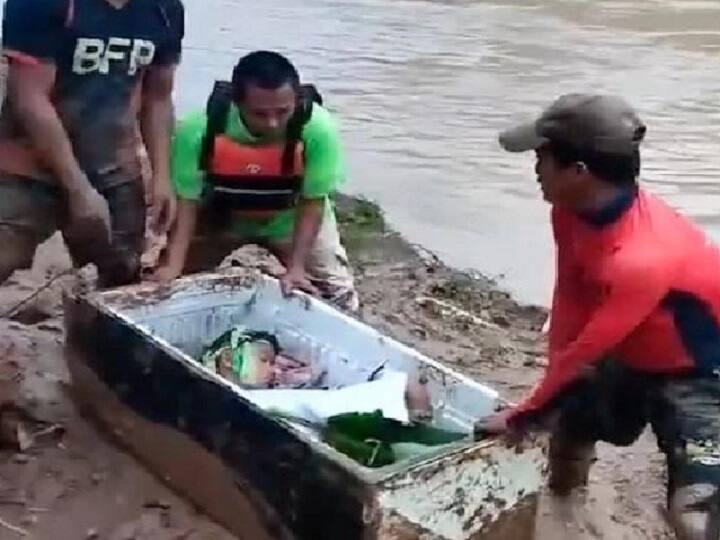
[(324, 170)]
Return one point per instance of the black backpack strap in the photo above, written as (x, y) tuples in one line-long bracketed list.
[(310, 92), (218, 108), (309, 95)]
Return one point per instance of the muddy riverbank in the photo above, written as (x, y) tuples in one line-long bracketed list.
[(72, 483)]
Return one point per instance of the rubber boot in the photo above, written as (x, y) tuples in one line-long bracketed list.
[(693, 512), (570, 463)]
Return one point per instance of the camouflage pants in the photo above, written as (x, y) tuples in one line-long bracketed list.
[(614, 404)]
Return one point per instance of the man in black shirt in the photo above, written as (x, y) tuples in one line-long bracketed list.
[(81, 74)]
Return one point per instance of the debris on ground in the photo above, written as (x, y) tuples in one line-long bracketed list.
[(72, 482)]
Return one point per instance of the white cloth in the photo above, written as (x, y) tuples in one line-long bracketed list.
[(386, 394)]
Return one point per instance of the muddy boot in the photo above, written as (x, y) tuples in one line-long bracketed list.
[(694, 513), (570, 463)]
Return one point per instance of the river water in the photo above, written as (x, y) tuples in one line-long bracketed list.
[(422, 87)]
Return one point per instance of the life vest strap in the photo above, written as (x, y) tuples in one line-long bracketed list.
[(239, 199), (256, 182)]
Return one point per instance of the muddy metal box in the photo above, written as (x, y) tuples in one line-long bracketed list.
[(132, 356)]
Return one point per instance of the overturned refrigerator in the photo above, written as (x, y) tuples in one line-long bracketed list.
[(262, 460)]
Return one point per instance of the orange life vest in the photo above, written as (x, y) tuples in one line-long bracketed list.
[(252, 178), (254, 181)]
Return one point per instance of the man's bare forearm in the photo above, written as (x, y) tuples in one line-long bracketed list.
[(48, 137), (157, 119), (29, 91), (307, 224), (156, 122), (181, 234)]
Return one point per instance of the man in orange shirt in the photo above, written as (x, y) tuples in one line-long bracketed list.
[(635, 324)]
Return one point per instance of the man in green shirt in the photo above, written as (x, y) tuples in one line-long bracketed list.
[(260, 166)]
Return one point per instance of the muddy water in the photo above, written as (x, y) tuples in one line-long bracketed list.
[(423, 86)]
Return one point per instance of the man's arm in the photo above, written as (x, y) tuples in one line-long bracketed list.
[(187, 184), (157, 114), (29, 87), (307, 224), (156, 123), (635, 291), (179, 238), (566, 309), (323, 172)]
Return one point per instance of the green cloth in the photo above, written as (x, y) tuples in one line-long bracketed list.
[(375, 441), (324, 167)]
